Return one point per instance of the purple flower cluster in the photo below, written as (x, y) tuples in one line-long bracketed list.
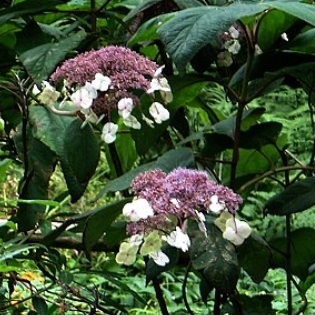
[(180, 193), (127, 70)]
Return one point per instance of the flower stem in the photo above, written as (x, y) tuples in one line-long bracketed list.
[(159, 296)]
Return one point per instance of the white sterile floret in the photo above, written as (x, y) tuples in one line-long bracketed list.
[(159, 112), (35, 90), (234, 32), (215, 205), (148, 121), (201, 222), (160, 258), (136, 239), (49, 95), (132, 122), (224, 59), (178, 239), (236, 231), (125, 107), (92, 91), (137, 210), (233, 46), (165, 91), (158, 71), (109, 132), (82, 98), (101, 82)]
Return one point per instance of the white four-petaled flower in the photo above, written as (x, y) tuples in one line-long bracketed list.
[(215, 205), (125, 107), (236, 231), (101, 82), (178, 239), (137, 210), (109, 132), (159, 112), (160, 258), (132, 122), (82, 98)]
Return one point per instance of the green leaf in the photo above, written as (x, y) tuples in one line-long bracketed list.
[(80, 158), (304, 42), (214, 257), (4, 165), (296, 198), (302, 11), (168, 161), (27, 7), (302, 252), (191, 29), (40, 305), (147, 32), (41, 165), (260, 134), (144, 5), (271, 26), (252, 250), (99, 221), (227, 127), (40, 61), (77, 148)]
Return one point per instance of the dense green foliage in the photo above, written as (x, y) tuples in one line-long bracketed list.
[(242, 77)]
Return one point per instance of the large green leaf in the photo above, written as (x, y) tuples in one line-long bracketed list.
[(27, 7), (296, 198), (302, 252), (174, 158), (304, 42), (214, 257), (227, 126), (40, 61), (255, 249), (40, 166), (80, 158), (76, 147), (271, 26), (193, 28), (302, 11), (99, 221)]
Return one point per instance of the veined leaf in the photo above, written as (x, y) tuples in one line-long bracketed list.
[(193, 28), (99, 221), (296, 198), (40, 61), (27, 7)]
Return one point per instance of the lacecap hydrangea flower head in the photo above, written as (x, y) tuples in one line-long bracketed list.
[(101, 81), (162, 205)]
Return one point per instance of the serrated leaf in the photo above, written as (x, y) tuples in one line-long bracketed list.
[(40, 61), (254, 250), (215, 258), (302, 252), (178, 157), (27, 7), (296, 198), (80, 158), (99, 221), (193, 28)]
